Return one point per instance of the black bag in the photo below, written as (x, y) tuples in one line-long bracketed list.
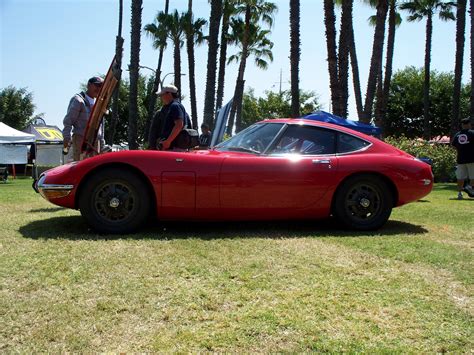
[(188, 138)]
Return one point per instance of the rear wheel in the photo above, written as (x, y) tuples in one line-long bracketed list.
[(363, 203), (115, 201)]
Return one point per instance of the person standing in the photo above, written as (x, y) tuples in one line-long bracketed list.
[(463, 141), (205, 137), (168, 122), (78, 112)]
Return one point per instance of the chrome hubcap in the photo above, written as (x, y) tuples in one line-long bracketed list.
[(114, 202), (364, 202)]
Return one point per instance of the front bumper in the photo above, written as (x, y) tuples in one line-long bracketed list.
[(51, 191)]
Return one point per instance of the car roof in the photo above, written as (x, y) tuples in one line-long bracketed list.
[(300, 121)]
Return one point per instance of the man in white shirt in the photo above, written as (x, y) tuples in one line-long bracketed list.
[(77, 115)]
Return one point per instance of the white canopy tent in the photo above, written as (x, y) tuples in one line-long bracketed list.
[(14, 145)]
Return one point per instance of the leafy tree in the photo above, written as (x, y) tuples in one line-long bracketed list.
[(405, 112), (16, 107), (426, 9), (275, 105)]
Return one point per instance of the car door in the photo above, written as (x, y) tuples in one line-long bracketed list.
[(287, 181)]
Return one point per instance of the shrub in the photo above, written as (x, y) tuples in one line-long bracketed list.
[(442, 155)]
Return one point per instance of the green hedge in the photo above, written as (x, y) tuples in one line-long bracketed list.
[(442, 155)]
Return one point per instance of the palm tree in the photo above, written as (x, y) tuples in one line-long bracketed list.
[(376, 60), (194, 35), (418, 10), (136, 24), (228, 11), (158, 34), (255, 11), (460, 27), (118, 58), (252, 40), (213, 46), (330, 25), (394, 20), (173, 24), (295, 56)]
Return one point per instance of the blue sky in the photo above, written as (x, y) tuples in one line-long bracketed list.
[(52, 46)]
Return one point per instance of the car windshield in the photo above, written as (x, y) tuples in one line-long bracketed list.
[(254, 139)]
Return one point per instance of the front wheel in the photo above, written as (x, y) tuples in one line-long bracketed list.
[(363, 203), (115, 201)]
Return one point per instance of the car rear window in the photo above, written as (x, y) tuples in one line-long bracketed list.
[(347, 143)]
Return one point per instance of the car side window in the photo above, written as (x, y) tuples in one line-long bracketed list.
[(306, 140), (347, 143)]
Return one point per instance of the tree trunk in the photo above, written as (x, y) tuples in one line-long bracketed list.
[(295, 56), (222, 59), (236, 110), (330, 24), (343, 56), (136, 24), (156, 85), (376, 60), (382, 100), (118, 58), (177, 64), (191, 66), (426, 83), (460, 27), (355, 72), (214, 21)]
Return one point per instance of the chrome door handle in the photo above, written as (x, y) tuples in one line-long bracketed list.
[(321, 161)]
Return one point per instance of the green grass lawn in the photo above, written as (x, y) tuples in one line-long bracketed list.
[(246, 287)]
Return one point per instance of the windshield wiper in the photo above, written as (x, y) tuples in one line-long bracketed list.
[(243, 149)]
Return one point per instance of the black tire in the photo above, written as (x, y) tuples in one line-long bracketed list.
[(115, 201), (363, 203)]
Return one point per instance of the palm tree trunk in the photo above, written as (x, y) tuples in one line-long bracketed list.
[(214, 21), (426, 83), (191, 65), (295, 56), (343, 56), (376, 60), (222, 57), (382, 100), (136, 24), (177, 64), (118, 58), (460, 27), (330, 24), (236, 110), (355, 72), (156, 84)]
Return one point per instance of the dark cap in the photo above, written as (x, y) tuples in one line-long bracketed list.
[(97, 80), (466, 121)]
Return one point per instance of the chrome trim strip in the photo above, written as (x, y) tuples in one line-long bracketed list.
[(55, 187)]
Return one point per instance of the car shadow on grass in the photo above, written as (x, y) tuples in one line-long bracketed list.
[(75, 228)]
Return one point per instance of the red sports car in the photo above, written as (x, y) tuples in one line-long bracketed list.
[(275, 169)]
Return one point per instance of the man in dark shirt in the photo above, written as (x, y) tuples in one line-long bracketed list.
[(463, 141), (205, 137), (169, 121)]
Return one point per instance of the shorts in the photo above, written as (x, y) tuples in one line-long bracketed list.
[(465, 171)]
